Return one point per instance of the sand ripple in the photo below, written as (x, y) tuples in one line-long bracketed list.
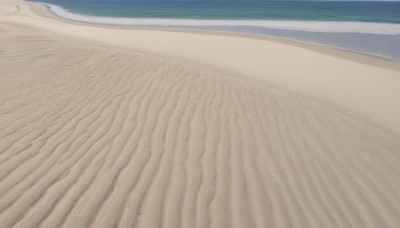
[(95, 137)]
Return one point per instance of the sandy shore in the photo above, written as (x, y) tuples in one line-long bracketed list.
[(107, 127), (360, 87)]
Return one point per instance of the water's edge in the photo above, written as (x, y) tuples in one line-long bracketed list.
[(378, 39)]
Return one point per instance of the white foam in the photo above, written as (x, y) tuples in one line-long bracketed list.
[(311, 26)]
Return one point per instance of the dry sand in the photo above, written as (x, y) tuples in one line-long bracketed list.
[(96, 136)]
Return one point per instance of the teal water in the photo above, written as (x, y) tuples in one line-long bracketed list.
[(381, 12), (366, 27)]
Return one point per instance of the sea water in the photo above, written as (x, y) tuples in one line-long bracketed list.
[(368, 27)]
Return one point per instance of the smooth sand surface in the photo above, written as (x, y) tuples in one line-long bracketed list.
[(95, 135)]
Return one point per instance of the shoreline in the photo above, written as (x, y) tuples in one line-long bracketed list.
[(302, 25), (361, 57), (339, 35)]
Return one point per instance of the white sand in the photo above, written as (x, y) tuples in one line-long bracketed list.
[(94, 135)]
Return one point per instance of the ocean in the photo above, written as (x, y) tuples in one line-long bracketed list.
[(367, 27)]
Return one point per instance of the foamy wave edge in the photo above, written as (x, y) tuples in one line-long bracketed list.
[(310, 26)]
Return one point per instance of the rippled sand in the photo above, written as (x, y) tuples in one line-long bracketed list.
[(96, 137)]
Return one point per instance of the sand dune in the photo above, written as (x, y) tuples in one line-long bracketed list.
[(97, 137)]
